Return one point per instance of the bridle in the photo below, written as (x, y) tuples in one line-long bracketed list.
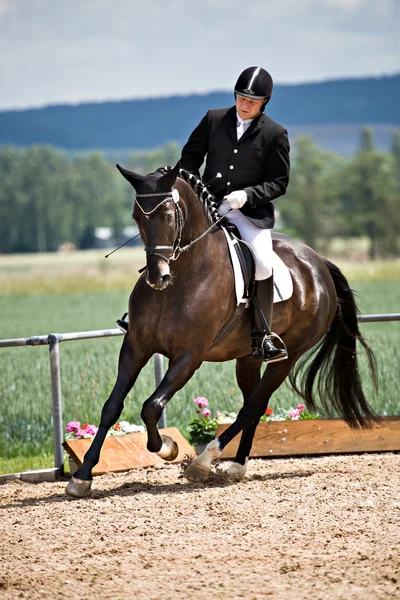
[(176, 249)]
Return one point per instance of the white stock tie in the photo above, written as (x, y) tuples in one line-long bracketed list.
[(242, 126)]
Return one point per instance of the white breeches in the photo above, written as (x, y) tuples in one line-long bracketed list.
[(259, 239)]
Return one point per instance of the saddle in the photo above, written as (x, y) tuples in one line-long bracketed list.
[(244, 268), (243, 265), (245, 256)]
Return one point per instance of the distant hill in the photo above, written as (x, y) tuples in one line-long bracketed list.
[(333, 111)]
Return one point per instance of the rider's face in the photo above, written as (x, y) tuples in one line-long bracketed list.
[(248, 108)]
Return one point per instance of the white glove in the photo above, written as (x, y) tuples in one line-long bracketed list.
[(236, 199)]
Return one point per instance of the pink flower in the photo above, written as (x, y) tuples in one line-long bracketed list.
[(206, 412), (91, 429), (300, 407), (294, 414), (201, 402), (73, 426), (80, 433)]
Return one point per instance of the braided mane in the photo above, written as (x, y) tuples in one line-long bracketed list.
[(209, 201)]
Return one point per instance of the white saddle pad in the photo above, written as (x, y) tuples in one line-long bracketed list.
[(283, 284)]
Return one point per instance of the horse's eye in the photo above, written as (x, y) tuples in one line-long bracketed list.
[(169, 217)]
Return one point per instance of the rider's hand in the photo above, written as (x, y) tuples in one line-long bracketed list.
[(236, 199)]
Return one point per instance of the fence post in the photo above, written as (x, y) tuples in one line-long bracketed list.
[(159, 374), (54, 348)]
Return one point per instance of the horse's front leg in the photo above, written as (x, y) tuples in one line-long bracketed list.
[(179, 372), (131, 362)]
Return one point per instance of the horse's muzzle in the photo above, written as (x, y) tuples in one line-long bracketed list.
[(158, 276)]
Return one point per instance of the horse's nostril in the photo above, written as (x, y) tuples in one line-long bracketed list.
[(166, 279)]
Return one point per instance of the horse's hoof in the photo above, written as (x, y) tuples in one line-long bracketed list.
[(169, 449), (78, 488), (236, 471), (196, 472)]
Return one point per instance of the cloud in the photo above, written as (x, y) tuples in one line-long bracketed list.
[(4, 6), (53, 52)]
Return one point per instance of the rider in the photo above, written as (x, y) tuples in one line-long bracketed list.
[(251, 152)]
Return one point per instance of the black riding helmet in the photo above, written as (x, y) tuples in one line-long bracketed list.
[(255, 83)]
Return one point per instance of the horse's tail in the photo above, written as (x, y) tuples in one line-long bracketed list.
[(336, 365)]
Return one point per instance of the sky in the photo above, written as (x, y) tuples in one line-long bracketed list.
[(71, 51)]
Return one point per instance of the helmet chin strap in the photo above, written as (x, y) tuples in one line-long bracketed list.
[(265, 104)]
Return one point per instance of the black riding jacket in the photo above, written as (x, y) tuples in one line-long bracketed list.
[(258, 162)]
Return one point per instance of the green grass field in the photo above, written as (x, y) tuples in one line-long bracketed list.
[(52, 293)]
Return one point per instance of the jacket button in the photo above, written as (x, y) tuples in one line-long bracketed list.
[(231, 167), (235, 151), (228, 183)]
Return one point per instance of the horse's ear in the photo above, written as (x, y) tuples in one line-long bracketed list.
[(134, 178), (169, 178)]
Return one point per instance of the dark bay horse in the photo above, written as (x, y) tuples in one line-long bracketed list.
[(184, 298)]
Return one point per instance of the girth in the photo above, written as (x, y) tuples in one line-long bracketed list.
[(245, 256)]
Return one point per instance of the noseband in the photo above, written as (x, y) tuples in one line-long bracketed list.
[(175, 248)]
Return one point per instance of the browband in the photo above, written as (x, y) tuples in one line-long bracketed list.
[(174, 194)]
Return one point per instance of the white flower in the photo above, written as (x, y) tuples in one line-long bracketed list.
[(225, 417), (130, 427)]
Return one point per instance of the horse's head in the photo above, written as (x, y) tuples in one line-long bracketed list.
[(159, 219)]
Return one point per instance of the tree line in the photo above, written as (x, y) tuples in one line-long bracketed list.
[(48, 198), (151, 122)]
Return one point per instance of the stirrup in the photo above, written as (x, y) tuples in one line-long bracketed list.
[(258, 351), (122, 324), (274, 335), (270, 337)]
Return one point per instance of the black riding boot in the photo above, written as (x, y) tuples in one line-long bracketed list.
[(262, 307)]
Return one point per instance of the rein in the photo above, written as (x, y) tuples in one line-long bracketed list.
[(176, 248)]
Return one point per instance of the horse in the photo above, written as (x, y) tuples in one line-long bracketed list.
[(184, 298)]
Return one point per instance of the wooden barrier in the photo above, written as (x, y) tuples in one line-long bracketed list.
[(275, 438), (126, 452), (319, 436)]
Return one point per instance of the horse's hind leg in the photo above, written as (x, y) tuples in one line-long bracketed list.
[(248, 377), (131, 361), (179, 372), (249, 416)]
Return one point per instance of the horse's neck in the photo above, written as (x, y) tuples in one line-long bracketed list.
[(196, 223), (204, 252)]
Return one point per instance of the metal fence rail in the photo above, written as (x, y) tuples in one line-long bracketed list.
[(53, 340), (376, 318)]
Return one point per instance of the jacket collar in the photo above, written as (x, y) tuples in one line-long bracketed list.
[(255, 125), (231, 119)]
